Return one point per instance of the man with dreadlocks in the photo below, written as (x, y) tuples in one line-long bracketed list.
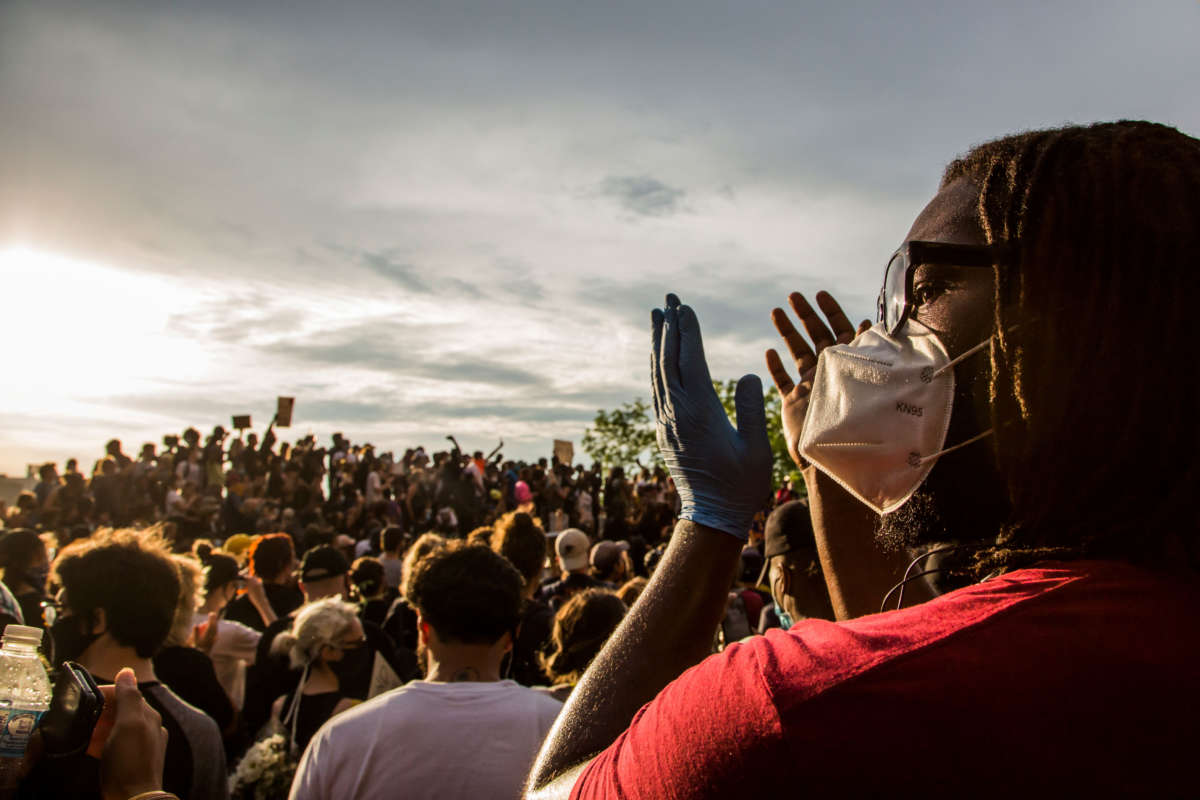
[(1022, 418)]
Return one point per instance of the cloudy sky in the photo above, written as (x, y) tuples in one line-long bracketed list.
[(431, 218)]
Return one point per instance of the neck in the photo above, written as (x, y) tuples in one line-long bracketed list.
[(212, 604), (321, 679), (457, 663), (105, 658)]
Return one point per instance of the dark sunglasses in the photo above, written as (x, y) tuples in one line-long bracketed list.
[(896, 302)]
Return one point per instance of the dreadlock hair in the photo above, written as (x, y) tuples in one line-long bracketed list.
[(1093, 401)]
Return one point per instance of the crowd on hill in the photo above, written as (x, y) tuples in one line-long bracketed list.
[(995, 574), (260, 588)]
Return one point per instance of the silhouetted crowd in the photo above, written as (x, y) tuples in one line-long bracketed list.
[(267, 589)]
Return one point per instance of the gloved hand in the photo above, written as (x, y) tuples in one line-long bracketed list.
[(723, 475)]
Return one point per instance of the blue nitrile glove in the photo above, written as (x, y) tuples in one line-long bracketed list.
[(723, 475)]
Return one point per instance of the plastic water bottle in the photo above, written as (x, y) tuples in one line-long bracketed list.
[(24, 696)]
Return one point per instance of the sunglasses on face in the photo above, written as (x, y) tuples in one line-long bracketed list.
[(897, 302)]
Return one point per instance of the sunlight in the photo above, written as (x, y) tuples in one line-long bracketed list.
[(75, 329)]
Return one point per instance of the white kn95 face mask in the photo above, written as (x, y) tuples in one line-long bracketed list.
[(879, 411)]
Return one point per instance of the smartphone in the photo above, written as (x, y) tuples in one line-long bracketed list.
[(75, 708)]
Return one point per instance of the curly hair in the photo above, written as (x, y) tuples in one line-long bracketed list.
[(581, 627), (317, 624), (1092, 405), (131, 575), (425, 544), (523, 542), (468, 594)]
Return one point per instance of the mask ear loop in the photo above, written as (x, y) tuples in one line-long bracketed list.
[(950, 365), (294, 711)]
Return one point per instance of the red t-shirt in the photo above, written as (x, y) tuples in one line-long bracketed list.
[(1081, 677)]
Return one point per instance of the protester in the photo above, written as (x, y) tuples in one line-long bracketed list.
[(793, 570), (370, 590), (521, 541), (26, 568), (1069, 596), (272, 560), (571, 548), (120, 592), (231, 645), (610, 562), (183, 662), (324, 635), (401, 622), (581, 627), (391, 546), (465, 732)]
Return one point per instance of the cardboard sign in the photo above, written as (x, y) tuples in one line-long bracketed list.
[(283, 412), (564, 452), (241, 421)]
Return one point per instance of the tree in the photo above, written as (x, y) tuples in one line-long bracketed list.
[(625, 436), (782, 466)]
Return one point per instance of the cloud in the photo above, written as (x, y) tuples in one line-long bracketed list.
[(398, 352), (643, 195), (384, 265)]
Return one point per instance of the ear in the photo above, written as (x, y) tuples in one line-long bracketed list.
[(99, 621), (786, 578), (422, 629)]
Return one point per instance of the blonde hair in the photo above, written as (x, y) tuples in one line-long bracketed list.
[(317, 624), (189, 600)]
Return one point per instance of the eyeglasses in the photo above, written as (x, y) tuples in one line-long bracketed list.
[(896, 302)]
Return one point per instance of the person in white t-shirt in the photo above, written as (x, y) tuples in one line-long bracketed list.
[(460, 732)]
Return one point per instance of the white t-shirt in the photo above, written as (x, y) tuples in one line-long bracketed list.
[(374, 488), (234, 648), (429, 740)]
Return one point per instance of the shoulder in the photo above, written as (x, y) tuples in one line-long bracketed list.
[(238, 630), (192, 720)]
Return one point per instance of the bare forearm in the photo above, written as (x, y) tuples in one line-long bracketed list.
[(263, 606), (668, 630), (857, 572)]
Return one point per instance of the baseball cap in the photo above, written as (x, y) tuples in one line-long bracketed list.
[(605, 554), (789, 527), (321, 562), (572, 549)]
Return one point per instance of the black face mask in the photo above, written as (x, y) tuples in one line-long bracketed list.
[(354, 667), (70, 640), (36, 577)]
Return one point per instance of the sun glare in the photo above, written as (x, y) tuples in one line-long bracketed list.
[(77, 330)]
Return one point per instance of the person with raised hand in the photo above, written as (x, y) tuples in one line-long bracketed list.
[(723, 476), (1019, 415), (857, 571)]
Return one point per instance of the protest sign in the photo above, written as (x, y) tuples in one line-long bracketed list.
[(564, 452), (241, 421), (283, 412)]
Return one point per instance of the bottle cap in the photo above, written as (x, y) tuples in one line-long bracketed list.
[(23, 634)]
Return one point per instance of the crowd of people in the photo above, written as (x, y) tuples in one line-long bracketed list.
[(994, 571), (257, 592)]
